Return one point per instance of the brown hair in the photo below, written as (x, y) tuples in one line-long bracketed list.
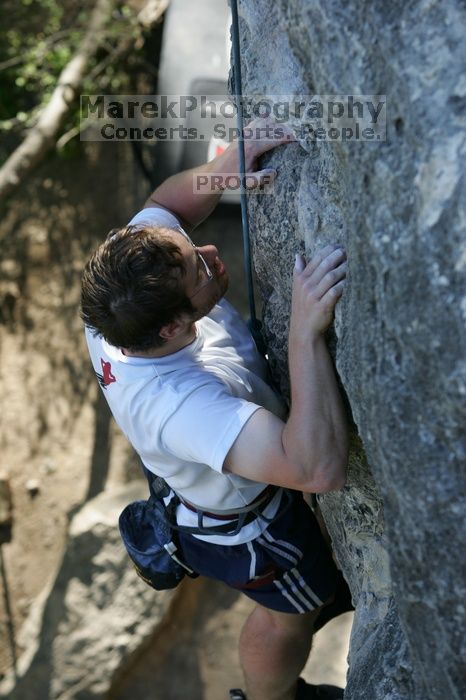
[(131, 287)]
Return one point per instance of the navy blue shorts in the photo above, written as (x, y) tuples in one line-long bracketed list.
[(288, 568)]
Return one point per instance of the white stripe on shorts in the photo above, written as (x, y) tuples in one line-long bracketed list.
[(286, 595), (282, 543), (281, 552), (308, 590), (252, 568), (298, 590)]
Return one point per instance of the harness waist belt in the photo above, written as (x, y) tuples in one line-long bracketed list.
[(261, 501)]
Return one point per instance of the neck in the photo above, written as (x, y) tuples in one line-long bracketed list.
[(171, 346)]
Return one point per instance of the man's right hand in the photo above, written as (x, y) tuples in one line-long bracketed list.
[(317, 287)]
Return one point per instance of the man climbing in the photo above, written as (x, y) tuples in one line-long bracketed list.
[(187, 386)]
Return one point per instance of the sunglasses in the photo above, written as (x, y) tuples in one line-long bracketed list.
[(201, 259)]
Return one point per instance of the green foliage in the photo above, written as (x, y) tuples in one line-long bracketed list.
[(37, 40), (33, 51)]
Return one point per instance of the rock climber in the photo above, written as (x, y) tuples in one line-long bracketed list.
[(187, 386)]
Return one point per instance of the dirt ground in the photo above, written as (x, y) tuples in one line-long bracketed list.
[(58, 443), (197, 656)]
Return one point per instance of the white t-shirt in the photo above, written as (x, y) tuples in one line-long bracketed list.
[(183, 412)]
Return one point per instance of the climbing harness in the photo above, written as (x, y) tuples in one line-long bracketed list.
[(149, 529), (236, 518), (255, 326)]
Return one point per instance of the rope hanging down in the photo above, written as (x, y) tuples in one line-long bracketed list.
[(254, 323)]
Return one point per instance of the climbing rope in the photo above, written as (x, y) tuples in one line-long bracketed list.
[(254, 324)]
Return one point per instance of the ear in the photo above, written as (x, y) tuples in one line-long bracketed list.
[(173, 329)]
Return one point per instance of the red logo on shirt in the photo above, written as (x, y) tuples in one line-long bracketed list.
[(107, 377)]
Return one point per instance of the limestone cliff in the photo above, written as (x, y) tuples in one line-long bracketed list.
[(398, 205)]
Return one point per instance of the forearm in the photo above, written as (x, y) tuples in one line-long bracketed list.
[(315, 436), (178, 194)]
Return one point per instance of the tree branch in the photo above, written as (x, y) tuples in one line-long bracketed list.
[(152, 12), (41, 137)]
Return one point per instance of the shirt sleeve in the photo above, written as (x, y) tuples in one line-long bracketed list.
[(205, 425), (155, 216)]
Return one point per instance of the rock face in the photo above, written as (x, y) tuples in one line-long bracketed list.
[(398, 205), (85, 631)]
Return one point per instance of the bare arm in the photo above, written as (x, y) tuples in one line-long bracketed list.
[(310, 451), (176, 193)]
